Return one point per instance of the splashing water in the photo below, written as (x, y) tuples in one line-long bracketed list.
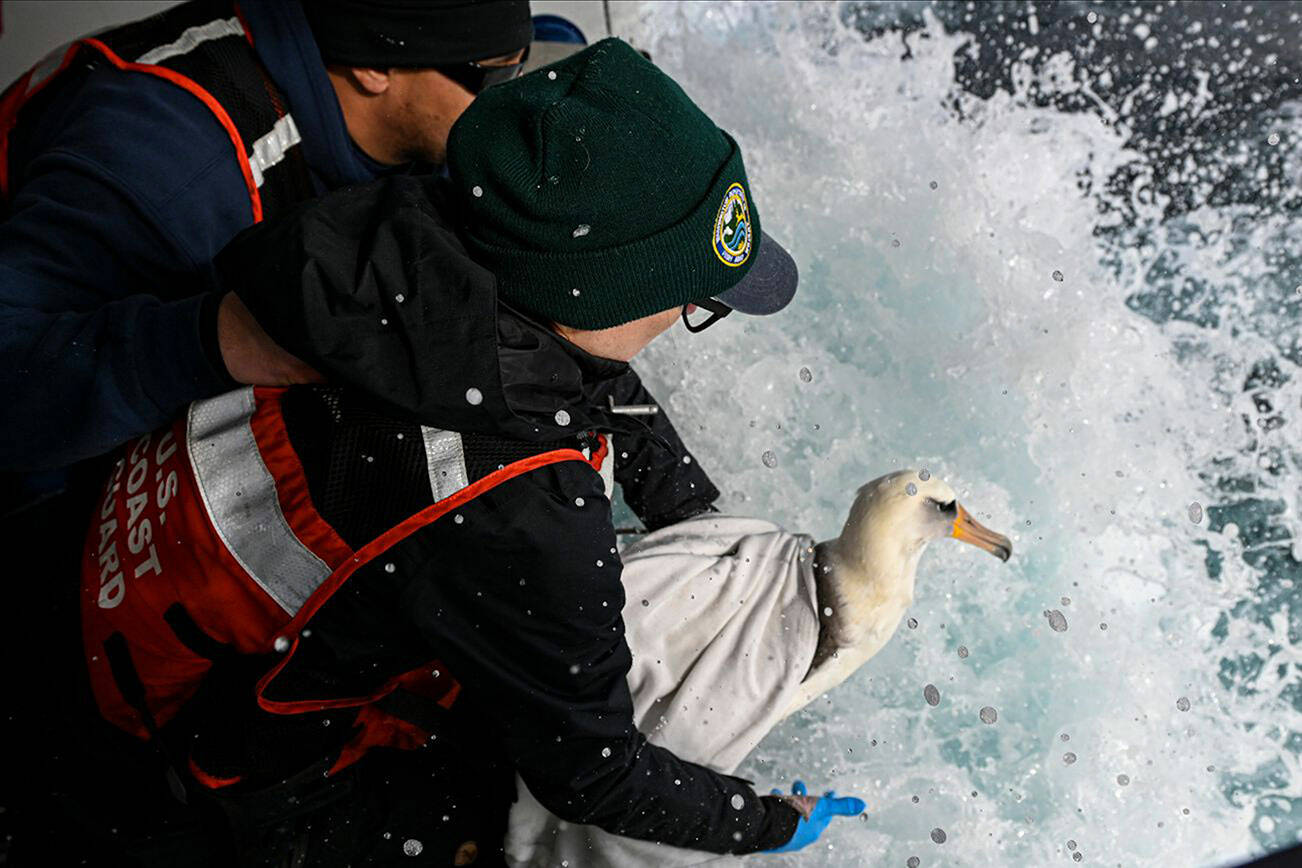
[(1064, 282)]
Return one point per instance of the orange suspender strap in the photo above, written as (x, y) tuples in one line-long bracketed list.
[(379, 546)]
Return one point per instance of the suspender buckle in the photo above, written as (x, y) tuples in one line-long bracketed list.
[(633, 409)]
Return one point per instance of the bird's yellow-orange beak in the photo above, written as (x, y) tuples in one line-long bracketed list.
[(969, 530)]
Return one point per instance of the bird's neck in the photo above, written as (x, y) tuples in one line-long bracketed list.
[(864, 589)]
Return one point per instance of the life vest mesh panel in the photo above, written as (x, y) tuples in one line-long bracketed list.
[(203, 42)]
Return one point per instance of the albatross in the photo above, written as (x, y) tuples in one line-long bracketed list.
[(736, 623)]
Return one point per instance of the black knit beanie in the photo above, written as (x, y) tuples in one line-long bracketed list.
[(417, 33), (598, 193)]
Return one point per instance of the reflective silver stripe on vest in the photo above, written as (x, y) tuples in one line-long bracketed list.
[(191, 37), (47, 67), (607, 471), (270, 149), (240, 496), (445, 458)]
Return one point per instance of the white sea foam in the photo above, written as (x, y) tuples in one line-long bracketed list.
[(1062, 417)]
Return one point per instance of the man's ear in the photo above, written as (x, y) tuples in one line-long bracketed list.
[(370, 81)]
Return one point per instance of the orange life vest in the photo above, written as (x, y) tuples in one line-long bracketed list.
[(204, 48), (206, 536)]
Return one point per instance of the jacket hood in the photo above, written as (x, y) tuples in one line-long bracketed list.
[(286, 47), (372, 287)]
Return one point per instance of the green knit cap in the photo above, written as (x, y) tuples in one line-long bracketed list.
[(598, 192)]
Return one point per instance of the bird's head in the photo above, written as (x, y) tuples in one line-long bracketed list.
[(910, 508)]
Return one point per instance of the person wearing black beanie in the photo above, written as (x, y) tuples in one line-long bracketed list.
[(405, 70)]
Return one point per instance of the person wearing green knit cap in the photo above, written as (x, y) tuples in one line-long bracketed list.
[(608, 204), (411, 583), (609, 196)]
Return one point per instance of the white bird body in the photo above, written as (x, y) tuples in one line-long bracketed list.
[(866, 575), (723, 616)]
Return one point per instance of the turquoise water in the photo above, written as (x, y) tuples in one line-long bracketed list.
[(1058, 262)]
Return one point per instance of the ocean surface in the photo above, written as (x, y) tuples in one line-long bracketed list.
[(1052, 253)]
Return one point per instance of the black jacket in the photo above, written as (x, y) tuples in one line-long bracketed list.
[(518, 590)]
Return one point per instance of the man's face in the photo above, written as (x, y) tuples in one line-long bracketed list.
[(425, 104), (622, 342)]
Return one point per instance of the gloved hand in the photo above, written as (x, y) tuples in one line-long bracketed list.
[(815, 814)]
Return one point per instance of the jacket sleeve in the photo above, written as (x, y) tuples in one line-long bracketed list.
[(660, 479), (106, 327), (526, 612)]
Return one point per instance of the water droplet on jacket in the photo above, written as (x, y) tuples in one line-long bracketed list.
[(737, 802), (578, 501), (474, 396), (736, 836), (687, 459), (562, 418), (458, 519), (412, 847), (1057, 275), (646, 602), (931, 694), (827, 610), (910, 489), (600, 563), (390, 567), (988, 714), (574, 669), (605, 751), (384, 321), (551, 75), (1272, 139), (1196, 512), (477, 191), (575, 292), (938, 835), (769, 458), (924, 474), (581, 230), (400, 298), (806, 375), (1182, 703), (281, 644)]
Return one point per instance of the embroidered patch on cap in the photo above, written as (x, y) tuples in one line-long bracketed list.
[(732, 232)]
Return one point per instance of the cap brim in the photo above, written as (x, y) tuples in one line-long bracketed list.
[(770, 284)]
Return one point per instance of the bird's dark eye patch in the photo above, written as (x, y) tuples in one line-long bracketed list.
[(949, 508)]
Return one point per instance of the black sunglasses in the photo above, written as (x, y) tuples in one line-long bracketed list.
[(475, 76), (718, 310)]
